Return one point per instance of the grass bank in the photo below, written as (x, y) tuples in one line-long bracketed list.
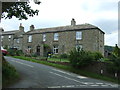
[(9, 74), (69, 68)]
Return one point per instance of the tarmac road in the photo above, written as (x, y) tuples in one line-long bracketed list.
[(34, 75)]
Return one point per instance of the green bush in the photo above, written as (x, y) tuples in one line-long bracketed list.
[(14, 52), (55, 56), (34, 55), (97, 55), (114, 65), (80, 58), (19, 52), (64, 56)]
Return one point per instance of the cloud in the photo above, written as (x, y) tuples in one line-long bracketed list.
[(111, 39), (108, 26)]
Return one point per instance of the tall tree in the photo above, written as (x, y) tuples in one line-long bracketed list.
[(116, 51), (20, 10)]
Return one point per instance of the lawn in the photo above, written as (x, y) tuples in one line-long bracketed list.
[(58, 59)]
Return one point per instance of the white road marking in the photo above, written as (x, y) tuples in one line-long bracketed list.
[(104, 85), (22, 63), (94, 85), (88, 83), (99, 83), (72, 86), (114, 85), (65, 77), (62, 71), (55, 87), (81, 77)]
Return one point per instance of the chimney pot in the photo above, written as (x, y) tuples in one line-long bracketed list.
[(73, 22), (32, 27)]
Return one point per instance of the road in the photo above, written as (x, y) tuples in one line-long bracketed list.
[(34, 75)]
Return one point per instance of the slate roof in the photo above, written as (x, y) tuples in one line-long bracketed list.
[(64, 28), (10, 32)]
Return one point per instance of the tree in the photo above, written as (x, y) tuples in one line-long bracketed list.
[(20, 10), (116, 51)]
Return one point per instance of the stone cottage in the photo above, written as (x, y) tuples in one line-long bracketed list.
[(13, 39), (60, 40)]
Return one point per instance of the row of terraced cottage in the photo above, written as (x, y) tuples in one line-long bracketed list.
[(57, 40)]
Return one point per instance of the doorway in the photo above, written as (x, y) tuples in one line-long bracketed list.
[(38, 50)]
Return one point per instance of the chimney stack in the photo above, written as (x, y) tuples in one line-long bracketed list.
[(21, 28), (73, 22), (32, 27)]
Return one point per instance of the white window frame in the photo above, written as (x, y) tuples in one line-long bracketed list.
[(30, 38), (9, 36), (55, 49), (78, 35), (56, 36), (18, 40), (2, 37), (44, 37)]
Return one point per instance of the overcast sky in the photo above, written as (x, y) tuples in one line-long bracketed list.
[(53, 13)]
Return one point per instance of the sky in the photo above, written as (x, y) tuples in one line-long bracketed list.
[(53, 13)]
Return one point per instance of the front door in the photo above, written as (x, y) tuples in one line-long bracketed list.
[(38, 50)]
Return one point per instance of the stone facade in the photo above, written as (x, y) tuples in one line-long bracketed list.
[(13, 39), (56, 40), (90, 38)]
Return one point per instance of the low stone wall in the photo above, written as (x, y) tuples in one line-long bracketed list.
[(100, 68)]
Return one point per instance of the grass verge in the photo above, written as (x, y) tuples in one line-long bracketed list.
[(9, 74), (69, 68)]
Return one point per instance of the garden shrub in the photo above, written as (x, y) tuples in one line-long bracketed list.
[(97, 55), (79, 58), (34, 55), (64, 56), (19, 52), (114, 65), (55, 56), (14, 52)]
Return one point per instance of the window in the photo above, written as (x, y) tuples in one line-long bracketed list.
[(17, 40), (78, 35), (79, 46), (9, 36), (30, 38), (56, 36), (55, 49), (2, 37), (44, 37)]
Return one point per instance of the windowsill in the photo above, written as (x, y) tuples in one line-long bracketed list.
[(79, 39), (29, 42), (55, 41)]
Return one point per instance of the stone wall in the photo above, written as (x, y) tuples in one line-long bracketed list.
[(100, 68)]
